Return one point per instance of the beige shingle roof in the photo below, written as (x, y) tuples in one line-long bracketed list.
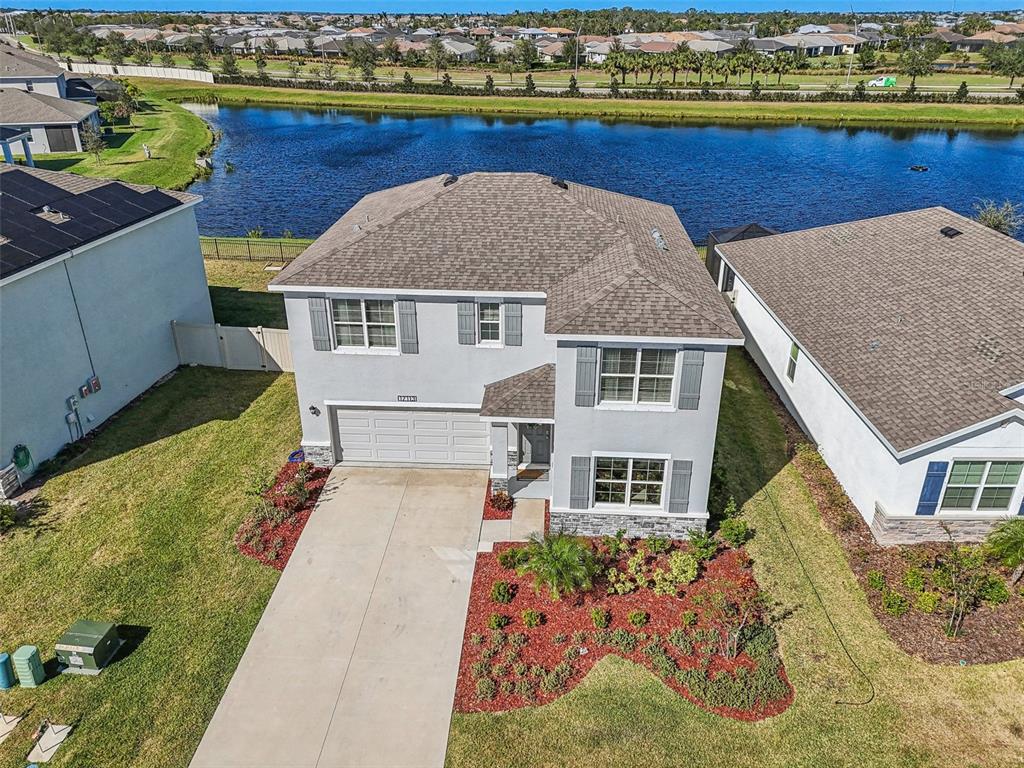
[(17, 63), (21, 107), (526, 395), (921, 331), (609, 264)]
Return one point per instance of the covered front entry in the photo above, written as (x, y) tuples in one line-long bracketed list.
[(410, 437), (535, 445)]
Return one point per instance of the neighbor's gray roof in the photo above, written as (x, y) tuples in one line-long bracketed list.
[(526, 395), (17, 63), (921, 331), (594, 253), (24, 108)]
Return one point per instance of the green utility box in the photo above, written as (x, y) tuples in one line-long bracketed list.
[(28, 666), (88, 647)]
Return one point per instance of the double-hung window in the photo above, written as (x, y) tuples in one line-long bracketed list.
[(982, 486), (794, 354), (366, 323), (637, 375), (629, 482), (489, 322)]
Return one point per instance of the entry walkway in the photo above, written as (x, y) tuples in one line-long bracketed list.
[(355, 658)]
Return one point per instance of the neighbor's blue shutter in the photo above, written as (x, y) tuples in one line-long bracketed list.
[(513, 324), (1021, 512), (679, 491), (407, 327), (579, 483), (319, 323), (586, 376), (467, 322), (689, 385), (932, 487)]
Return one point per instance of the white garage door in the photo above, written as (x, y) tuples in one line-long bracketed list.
[(412, 437)]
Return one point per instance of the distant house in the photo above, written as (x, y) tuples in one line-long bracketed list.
[(898, 344), (55, 124), (717, 47), (459, 50), (92, 272), (29, 72), (977, 42)]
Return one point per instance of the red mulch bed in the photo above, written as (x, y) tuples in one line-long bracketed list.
[(490, 511), (270, 542), (989, 634), (725, 571)]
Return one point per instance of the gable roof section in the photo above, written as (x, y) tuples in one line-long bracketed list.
[(44, 214), (17, 106), (596, 254), (922, 332), (526, 395), (17, 63)]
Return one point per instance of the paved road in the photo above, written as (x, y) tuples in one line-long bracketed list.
[(355, 658)]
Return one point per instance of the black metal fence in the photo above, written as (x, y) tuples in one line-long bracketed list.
[(251, 248)]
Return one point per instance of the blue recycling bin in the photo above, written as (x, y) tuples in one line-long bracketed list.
[(6, 672)]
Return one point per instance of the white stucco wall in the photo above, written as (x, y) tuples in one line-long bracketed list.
[(128, 290), (866, 468), (50, 86)]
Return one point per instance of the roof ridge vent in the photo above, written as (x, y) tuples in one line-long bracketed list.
[(450, 179), (658, 239), (950, 232), (560, 183)]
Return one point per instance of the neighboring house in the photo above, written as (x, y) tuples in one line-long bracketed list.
[(459, 50), (55, 124), (26, 71), (565, 337), (92, 272), (898, 344)]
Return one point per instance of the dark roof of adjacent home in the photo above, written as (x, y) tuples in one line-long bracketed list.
[(526, 395), (921, 330), (609, 264), (742, 232), (21, 107), (15, 62), (44, 214)]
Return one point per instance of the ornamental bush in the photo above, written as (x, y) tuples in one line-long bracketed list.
[(876, 580), (532, 618), (703, 546), (513, 557), (994, 591), (498, 621), (561, 564), (601, 618), (637, 618), (486, 689), (733, 532), (913, 580), (927, 602), (502, 592), (894, 603)]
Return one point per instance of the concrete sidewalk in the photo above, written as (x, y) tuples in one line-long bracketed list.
[(355, 658)]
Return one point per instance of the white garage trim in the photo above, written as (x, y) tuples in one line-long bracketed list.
[(419, 436), (402, 406)]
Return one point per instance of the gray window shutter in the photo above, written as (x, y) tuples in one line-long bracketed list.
[(586, 376), (407, 327), (579, 483), (928, 502), (467, 322), (513, 324), (689, 385), (679, 491), (319, 322)]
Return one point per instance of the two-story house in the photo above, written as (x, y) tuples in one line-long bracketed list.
[(565, 337)]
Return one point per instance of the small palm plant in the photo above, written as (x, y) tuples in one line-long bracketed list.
[(561, 563), (1006, 543)]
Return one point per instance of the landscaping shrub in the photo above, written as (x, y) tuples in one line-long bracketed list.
[(681, 640), (479, 669), (502, 592), (486, 689), (560, 639), (513, 557), (517, 640), (894, 603), (498, 621), (499, 670), (688, 618), (488, 653), (733, 532), (622, 640), (507, 686), (637, 618), (657, 545), (927, 602), (560, 563), (526, 689), (876, 580), (498, 638), (502, 502), (477, 639), (519, 669), (846, 520), (556, 679), (579, 637), (994, 591), (620, 582), (703, 546), (600, 617), (615, 545), (913, 580), (532, 618)]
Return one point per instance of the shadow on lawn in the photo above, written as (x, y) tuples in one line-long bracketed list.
[(235, 306)]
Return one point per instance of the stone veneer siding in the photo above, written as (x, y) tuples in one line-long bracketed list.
[(320, 455), (891, 531), (602, 523), (499, 484)]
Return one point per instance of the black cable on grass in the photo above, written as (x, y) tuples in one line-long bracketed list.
[(817, 595)]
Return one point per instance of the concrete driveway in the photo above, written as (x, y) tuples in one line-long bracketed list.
[(355, 658)]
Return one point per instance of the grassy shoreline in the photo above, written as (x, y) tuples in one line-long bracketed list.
[(1005, 116)]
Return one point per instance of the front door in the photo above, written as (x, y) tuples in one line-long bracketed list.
[(536, 444)]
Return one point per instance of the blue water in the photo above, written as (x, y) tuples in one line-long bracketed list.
[(300, 169)]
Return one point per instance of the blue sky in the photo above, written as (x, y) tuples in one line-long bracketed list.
[(499, 6)]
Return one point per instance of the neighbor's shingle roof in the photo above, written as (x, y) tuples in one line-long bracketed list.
[(591, 251), (18, 63), (922, 332), (36, 108), (526, 395)]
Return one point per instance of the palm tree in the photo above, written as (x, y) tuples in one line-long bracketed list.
[(1006, 542), (705, 60), (686, 60), (437, 57), (782, 64), (484, 49)]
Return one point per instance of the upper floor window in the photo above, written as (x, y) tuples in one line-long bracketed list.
[(364, 323), (794, 354), (984, 486), (489, 322), (637, 375), (630, 482)]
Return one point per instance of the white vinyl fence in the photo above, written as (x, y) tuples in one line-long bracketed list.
[(131, 70), (228, 346)]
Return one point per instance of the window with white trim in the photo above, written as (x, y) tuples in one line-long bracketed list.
[(637, 375), (488, 322), (981, 486), (629, 482), (366, 323), (794, 354)]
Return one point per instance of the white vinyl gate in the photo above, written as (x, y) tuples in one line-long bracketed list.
[(386, 436), (228, 346)]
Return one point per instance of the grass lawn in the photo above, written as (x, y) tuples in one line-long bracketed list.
[(920, 715), (138, 532), (1006, 115), (175, 136), (238, 292)]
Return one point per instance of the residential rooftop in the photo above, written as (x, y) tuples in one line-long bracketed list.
[(608, 264), (918, 317), (17, 63), (30, 108)]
